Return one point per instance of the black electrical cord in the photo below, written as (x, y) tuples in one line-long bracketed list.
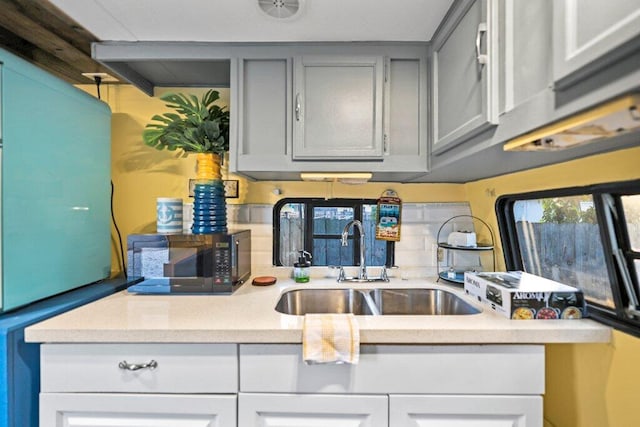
[(113, 218), (98, 80)]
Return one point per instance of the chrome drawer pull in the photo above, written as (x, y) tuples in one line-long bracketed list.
[(135, 367)]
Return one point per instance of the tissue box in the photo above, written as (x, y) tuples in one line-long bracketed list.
[(462, 238), (522, 296)]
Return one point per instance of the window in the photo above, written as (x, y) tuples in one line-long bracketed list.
[(316, 225), (631, 209), (587, 237)]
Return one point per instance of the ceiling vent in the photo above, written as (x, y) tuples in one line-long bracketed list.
[(281, 9)]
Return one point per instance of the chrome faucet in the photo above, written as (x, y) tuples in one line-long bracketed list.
[(362, 271)]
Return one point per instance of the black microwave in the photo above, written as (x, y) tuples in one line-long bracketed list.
[(189, 263)]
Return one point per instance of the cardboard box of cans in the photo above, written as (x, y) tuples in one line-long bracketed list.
[(522, 296)]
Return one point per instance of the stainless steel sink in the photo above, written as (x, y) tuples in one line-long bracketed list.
[(420, 302), (382, 301), (303, 301)]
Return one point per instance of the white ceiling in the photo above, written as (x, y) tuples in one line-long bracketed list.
[(243, 20)]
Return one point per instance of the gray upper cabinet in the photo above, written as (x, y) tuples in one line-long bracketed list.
[(338, 107), (588, 35), (334, 108), (465, 73), (261, 114)]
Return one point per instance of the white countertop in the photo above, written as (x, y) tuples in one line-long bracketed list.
[(248, 316)]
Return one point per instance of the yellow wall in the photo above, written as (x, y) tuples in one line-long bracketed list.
[(593, 385), (587, 385), (141, 174)]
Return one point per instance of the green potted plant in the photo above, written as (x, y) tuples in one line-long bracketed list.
[(196, 126)]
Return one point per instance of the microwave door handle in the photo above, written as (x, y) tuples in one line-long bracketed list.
[(234, 259)]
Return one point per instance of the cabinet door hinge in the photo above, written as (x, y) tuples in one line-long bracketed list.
[(385, 143)]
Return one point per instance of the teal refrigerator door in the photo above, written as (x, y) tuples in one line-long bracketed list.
[(56, 162), (1, 292)]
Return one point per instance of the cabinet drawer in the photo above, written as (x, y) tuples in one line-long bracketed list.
[(437, 369), (139, 410), (261, 409), (466, 410), (180, 368)]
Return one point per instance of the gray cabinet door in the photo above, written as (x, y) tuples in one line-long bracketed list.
[(338, 107), (524, 51), (465, 73), (590, 34), (406, 115), (261, 115)]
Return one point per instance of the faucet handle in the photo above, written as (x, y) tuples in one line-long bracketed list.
[(341, 275), (383, 274), (362, 272)]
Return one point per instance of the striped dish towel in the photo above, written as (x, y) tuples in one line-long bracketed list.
[(330, 338)]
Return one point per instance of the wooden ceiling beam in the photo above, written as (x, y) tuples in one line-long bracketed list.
[(58, 68), (55, 20), (16, 22), (44, 60)]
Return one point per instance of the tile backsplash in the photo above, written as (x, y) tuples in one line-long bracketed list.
[(415, 253)]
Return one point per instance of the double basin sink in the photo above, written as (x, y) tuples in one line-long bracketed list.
[(372, 302)]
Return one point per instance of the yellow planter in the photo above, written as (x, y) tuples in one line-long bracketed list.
[(208, 166), (209, 205)]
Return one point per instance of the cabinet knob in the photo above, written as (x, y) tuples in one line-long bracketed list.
[(137, 366)]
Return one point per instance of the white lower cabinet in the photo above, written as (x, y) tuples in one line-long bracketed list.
[(247, 385), (465, 411), (287, 410), (419, 385), (138, 385), (136, 410)]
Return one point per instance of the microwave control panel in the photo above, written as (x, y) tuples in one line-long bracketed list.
[(222, 268)]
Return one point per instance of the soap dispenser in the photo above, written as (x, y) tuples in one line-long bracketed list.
[(302, 268)]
